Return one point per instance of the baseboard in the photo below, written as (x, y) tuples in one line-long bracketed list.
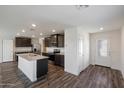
[(76, 74), (101, 66)]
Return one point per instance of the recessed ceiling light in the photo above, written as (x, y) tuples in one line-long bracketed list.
[(18, 34), (33, 36), (23, 31), (101, 28), (41, 34), (33, 25), (53, 30)]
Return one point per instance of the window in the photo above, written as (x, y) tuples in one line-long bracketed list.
[(103, 48)]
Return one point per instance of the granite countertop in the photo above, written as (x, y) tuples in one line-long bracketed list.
[(31, 56)]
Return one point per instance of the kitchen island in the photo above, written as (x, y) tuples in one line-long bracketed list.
[(34, 66)]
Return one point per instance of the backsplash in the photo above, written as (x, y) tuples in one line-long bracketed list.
[(23, 49), (51, 49)]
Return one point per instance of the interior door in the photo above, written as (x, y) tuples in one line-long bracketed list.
[(103, 52), (7, 50)]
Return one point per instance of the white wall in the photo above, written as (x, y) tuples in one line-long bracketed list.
[(0, 51), (122, 51), (71, 64), (85, 35), (115, 44), (74, 61)]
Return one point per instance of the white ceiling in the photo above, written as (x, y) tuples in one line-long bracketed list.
[(15, 18)]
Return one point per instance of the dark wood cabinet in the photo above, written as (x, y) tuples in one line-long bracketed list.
[(23, 42), (47, 42), (50, 55), (56, 40), (59, 60), (42, 68), (61, 41)]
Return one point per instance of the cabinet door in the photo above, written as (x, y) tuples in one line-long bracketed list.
[(47, 42), (28, 42), (60, 40), (24, 43), (62, 60), (42, 67), (59, 60), (18, 41), (54, 40)]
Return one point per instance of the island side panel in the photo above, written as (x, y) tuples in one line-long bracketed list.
[(42, 67), (28, 68)]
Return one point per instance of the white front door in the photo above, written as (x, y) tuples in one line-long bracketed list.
[(7, 50), (103, 57)]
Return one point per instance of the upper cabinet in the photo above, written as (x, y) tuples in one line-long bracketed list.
[(47, 42), (56, 40), (23, 42), (60, 40)]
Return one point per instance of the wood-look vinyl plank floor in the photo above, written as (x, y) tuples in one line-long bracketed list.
[(92, 77)]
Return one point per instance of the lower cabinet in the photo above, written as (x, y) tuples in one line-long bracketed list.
[(42, 67), (59, 60), (50, 55)]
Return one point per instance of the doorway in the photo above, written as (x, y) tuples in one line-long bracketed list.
[(103, 57)]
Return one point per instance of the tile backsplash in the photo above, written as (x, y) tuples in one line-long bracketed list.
[(23, 49), (51, 49)]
